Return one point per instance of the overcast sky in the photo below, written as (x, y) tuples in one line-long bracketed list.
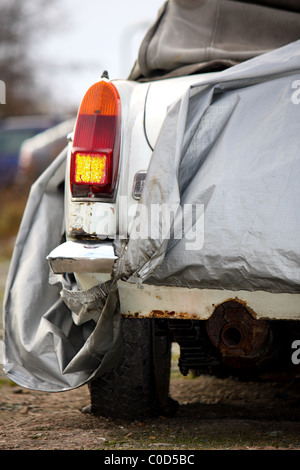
[(94, 35)]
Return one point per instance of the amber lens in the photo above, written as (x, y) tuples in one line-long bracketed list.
[(102, 98)]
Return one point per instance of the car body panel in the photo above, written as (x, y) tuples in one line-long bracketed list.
[(38, 152), (13, 132)]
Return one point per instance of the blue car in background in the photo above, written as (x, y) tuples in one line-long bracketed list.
[(13, 132)]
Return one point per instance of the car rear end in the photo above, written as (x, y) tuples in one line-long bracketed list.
[(224, 331)]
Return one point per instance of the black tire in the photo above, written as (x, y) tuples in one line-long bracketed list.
[(139, 386)]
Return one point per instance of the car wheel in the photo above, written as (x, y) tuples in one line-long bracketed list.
[(139, 386)]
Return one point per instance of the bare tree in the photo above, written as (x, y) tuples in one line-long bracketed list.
[(22, 23)]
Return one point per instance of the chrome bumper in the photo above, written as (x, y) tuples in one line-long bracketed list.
[(72, 257)]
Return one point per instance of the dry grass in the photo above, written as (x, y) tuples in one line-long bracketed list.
[(12, 205)]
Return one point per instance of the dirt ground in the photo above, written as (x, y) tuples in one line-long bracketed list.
[(213, 414)]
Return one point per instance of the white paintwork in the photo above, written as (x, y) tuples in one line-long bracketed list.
[(161, 96)]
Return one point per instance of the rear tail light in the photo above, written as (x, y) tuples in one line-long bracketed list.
[(96, 144)]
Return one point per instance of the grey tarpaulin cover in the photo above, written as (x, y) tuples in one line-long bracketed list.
[(44, 348), (231, 145)]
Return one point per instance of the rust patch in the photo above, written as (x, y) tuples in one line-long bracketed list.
[(172, 314), (241, 339), (79, 233), (240, 301), (162, 314), (131, 315)]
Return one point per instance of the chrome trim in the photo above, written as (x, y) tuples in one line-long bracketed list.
[(82, 257), (110, 200)]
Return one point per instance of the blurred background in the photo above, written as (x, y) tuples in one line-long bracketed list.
[(50, 54)]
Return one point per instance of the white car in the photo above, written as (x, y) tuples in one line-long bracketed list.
[(220, 326), (171, 217)]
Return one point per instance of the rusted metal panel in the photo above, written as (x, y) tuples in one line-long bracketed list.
[(241, 339), (163, 314), (177, 302), (148, 300), (91, 220)]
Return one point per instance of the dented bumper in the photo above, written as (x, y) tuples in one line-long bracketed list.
[(82, 257)]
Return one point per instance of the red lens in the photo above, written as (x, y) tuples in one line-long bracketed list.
[(96, 140)]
